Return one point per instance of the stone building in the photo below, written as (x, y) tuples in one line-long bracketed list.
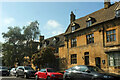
[(93, 40)]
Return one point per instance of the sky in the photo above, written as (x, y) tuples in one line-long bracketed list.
[(53, 17)]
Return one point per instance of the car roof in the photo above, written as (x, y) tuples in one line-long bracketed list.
[(82, 65)]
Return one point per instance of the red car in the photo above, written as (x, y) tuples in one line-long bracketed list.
[(48, 74)]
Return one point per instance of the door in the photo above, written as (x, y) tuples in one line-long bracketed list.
[(98, 62), (86, 58)]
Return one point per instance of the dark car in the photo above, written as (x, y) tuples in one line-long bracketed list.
[(4, 71), (48, 74), (25, 71), (82, 72)]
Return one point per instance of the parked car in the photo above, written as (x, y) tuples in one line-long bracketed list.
[(13, 72), (48, 74), (82, 72), (25, 71), (4, 71)]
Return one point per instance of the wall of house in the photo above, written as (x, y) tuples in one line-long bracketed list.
[(95, 50)]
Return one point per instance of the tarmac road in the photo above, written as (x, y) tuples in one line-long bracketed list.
[(14, 78)]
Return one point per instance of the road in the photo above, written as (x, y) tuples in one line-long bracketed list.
[(13, 78)]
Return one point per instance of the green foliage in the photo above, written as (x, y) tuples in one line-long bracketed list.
[(31, 32), (12, 48), (20, 43), (45, 58)]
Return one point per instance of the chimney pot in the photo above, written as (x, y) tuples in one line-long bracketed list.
[(72, 17)]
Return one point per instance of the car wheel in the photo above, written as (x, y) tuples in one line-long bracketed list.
[(17, 75), (36, 77), (48, 78), (26, 76)]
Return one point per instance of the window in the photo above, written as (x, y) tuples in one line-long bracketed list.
[(114, 59), (73, 28), (89, 23), (73, 42), (90, 38), (74, 59), (111, 35), (43, 70), (118, 13)]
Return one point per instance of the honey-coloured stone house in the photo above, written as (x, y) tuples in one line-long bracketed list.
[(94, 39), (90, 40)]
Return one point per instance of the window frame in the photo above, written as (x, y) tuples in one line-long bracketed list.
[(90, 38), (73, 28), (115, 59), (111, 35), (73, 58), (73, 42), (89, 23)]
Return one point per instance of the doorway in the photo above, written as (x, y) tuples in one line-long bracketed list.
[(98, 62), (86, 54)]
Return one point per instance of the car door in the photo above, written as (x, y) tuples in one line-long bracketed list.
[(86, 73), (42, 73), (21, 71), (76, 74)]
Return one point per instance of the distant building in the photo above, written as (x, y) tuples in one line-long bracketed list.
[(55, 42)]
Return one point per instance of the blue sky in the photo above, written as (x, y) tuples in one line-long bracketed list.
[(53, 17)]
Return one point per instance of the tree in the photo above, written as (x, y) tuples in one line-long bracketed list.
[(44, 58), (12, 48), (31, 32), (20, 43)]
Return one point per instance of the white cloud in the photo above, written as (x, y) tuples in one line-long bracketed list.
[(52, 24), (52, 28), (8, 21), (56, 32)]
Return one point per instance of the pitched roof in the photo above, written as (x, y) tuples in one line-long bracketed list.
[(60, 40), (100, 16)]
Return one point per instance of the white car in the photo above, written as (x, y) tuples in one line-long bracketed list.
[(13, 72)]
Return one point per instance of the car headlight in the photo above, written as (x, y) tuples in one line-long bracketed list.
[(53, 75), (107, 76)]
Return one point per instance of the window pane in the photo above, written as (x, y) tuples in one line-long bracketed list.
[(90, 38), (111, 35), (73, 59)]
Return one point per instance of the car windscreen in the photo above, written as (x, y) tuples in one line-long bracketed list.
[(95, 69), (28, 68), (51, 70)]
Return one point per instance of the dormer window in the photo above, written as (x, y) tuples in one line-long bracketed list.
[(89, 23), (118, 13), (73, 27)]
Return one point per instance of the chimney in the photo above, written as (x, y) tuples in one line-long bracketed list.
[(41, 38), (72, 17), (107, 4)]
